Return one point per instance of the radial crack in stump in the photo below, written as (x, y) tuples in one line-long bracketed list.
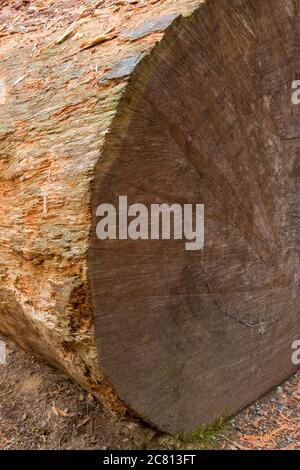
[(186, 336)]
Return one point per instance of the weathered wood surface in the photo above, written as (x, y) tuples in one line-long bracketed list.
[(207, 118), (61, 96)]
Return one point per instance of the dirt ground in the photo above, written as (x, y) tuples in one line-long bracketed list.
[(42, 409)]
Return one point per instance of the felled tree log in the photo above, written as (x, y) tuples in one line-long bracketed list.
[(98, 109)]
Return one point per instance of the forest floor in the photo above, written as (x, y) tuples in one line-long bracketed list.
[(42, 409)]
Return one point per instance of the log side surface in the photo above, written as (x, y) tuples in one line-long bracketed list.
[(63, 68)]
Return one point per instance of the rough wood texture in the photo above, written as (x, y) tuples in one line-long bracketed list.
[(61, 97), (206, 118)]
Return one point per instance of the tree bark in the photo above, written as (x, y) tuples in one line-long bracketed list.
[(107, 105)]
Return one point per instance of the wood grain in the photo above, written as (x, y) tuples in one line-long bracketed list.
[(185, 337)]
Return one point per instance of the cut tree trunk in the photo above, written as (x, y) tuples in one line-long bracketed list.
[(110, 104)]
